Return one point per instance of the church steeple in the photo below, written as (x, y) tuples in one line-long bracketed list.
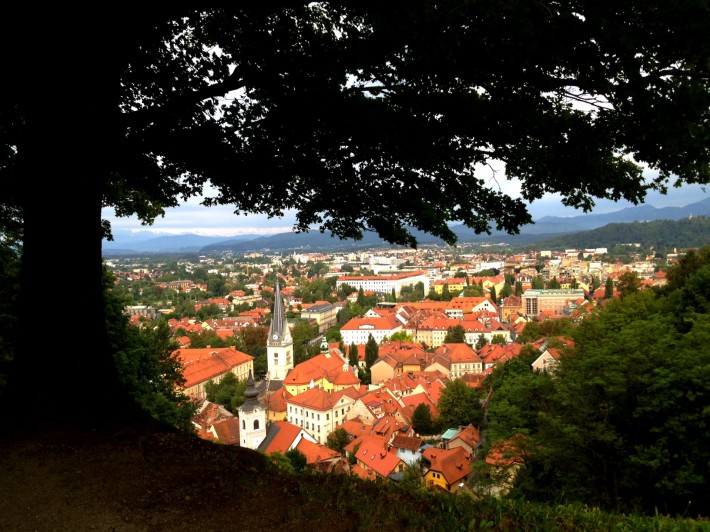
[(252, 417), (279, 325), (279, 345)]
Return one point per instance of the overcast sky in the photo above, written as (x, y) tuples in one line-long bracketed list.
[(192, 218)]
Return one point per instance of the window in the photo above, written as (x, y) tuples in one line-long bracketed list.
[(256, 424), (327, 417)]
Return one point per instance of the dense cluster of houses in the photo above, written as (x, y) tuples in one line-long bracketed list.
[(300, 406)]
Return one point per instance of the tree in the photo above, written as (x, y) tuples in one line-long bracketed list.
[(553, 284), (459, 405), (297, 458), (333, 334), (360, 297), (411, 478), (481, 342), (337, 440), (352, 355), (302, 333), (609, 288), (422, 420), (228, 392), (506, 291), (330, 97), (401, 336), (372, 351), (455, 334), (147, 364), (538, 282), (628, 283)]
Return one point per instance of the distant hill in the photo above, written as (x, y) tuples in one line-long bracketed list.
[(545, 229), (638, 213), (125, 244), (657, 234)]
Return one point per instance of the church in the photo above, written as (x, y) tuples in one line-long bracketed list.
[(279, 344)]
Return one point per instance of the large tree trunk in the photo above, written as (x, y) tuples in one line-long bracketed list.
[(64, 370)]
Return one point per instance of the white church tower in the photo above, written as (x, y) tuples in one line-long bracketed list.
[(279, 345), (252, 417)]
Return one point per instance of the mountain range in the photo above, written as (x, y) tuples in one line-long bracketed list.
[(543, 228)]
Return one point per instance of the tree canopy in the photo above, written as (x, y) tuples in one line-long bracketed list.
[(620, 424), (283, 106)]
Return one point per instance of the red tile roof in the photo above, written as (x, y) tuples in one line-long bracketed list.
[(453, 464), (203, 364), (315, 452), (378, 459)]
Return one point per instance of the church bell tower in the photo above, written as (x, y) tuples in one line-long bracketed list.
[(252, 417), (279, 345)]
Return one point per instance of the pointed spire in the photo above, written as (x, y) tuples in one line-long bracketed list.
[(278, 316), (279, 325)]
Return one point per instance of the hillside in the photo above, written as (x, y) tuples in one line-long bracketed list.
[(164, 481), (659, 235)]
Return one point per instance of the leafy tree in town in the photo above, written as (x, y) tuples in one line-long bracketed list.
[(493, 296), (352, 355), (537, 282), (553, 284), (333, 97), (412, 293), (303, 332), (628, 283), (372, 351), (519, 396), (363, 373), (506, 291), (596, 282), (481, 342), (207, 338), (455, 334), (333, 334), (446, 295), (253, 338), (499, 339), (344, 315), (209, 311), (337, 440), (608, 288), (459, 405), (401, 336), (361, 297), (228, 392), (297, 458), (422, 420)]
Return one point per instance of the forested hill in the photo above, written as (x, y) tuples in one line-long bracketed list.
[(659, 234)]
